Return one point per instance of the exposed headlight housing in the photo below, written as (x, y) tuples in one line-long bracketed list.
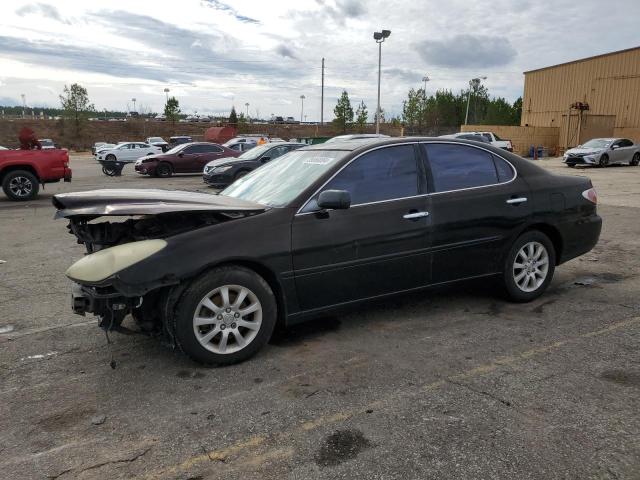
[(99, 266)]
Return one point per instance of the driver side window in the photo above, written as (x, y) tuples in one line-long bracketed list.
[(385, 174)]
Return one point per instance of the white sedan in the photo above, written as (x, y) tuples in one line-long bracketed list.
[(128, 152)]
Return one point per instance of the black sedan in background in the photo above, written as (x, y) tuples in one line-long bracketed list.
[(324, 227), (224, 171)]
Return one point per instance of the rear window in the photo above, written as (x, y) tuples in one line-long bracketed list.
[(455, 167)]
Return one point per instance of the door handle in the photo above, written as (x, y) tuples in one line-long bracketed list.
[(414, 215), (516, 201)]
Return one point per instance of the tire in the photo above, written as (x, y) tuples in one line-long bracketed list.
[(164, 170), (635, 160), (200, 342), (604, 160), (111, 157), (240, 174), (20, 185), (109, 171), (522, 289), (571, 165)]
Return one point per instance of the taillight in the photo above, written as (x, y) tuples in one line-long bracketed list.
[(591, 195)]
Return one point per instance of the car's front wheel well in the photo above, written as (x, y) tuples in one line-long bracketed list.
[(268, 277), (551, 232)]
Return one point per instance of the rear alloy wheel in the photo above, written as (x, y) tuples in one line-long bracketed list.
[(635, 160), (529, 267), (225, 316), (604, 160), (20, 185), (163, 170)]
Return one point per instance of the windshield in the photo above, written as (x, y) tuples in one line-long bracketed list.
[(155, 139), (597, 143), (280, 181), (255, 152)]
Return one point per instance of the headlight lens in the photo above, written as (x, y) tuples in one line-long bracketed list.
[(99, 266), (222, 169)]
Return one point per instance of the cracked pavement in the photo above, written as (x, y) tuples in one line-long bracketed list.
[(448, 383)]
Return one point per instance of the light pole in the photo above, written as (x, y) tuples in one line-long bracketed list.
[(379, 37), (302, 97), (134, 104), (247, 105), (166, 92), (425, 79), (24, 103), (474, 82)]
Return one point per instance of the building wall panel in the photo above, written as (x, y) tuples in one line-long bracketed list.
[(610, 84)]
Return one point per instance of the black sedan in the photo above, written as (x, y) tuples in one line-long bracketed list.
[(324, 227), (224, 171)]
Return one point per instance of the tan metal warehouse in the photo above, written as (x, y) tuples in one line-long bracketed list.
[(609, 84)]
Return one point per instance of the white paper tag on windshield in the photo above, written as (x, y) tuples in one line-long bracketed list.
[(319, 160)]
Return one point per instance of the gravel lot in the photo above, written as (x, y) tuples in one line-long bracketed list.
[(452, 383)]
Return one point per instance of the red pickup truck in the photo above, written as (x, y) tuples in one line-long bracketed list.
[(22, 171)]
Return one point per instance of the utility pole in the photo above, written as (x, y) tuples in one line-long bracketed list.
[(322, 96), (302, 97), (24, 103)]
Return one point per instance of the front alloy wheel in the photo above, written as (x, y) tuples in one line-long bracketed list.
[(636, 159), (227, 319), (529, 267), (225, 316)]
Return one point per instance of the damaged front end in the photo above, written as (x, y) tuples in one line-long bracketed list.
[(134, 240)]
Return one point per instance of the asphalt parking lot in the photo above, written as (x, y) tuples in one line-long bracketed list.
[(451, 383)]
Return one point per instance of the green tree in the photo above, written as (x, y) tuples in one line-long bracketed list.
[(413, 109), (242, 123), (498, 112), (233, 116), (172, 109), (517, 112), (343, 112), (361, 116), (76, 105)]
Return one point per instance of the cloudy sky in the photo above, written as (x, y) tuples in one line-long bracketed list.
[(215, 53)]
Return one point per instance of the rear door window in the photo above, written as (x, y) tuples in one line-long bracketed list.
[(455, 167)]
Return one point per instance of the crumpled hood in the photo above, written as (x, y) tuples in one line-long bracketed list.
[(146, 202)]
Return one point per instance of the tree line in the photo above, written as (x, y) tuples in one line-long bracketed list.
[(442, 109)]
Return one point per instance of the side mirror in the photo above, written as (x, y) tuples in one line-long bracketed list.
[(615, 147), (181, 154), (265, 159), (334, 200)]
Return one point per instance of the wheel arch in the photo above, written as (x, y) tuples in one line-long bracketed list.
[(265, 272), (550, 231), (12, 168)]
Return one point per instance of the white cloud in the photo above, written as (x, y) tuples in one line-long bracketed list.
[(211, 53)]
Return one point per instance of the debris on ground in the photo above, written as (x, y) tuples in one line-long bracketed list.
[(6, 329), (98, 419)]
